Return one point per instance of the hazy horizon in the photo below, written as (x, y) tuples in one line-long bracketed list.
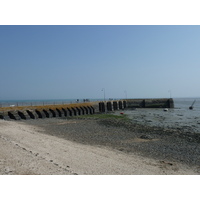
[(81, 99)]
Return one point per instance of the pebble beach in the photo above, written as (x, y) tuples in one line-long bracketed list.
[(110, 144), (122, 134)]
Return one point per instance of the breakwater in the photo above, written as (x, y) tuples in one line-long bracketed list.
[(50, 111), (150, 103), (69, 110)]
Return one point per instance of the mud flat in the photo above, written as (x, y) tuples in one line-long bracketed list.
[(93, 145)]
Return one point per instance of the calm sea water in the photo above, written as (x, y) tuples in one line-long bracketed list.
[(185, 103)]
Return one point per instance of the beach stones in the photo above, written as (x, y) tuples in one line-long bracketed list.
[(146, 137)]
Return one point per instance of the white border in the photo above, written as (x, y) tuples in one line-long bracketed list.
[(96, 12)]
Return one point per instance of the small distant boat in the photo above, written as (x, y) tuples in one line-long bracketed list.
[(165, 109), (191, 107)]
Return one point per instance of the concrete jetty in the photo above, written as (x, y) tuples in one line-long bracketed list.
[(69, 110)]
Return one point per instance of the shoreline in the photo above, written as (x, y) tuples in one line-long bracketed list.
[(124, 135), (93, 146)]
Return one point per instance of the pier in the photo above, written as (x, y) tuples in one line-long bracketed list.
[(70, 110)]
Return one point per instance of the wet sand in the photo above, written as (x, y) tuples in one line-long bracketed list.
[(183, 119), (93, 146)]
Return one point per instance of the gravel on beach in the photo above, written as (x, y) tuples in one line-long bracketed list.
[(168, 145)]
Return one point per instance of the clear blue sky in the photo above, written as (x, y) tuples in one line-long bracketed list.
[(63, 62)]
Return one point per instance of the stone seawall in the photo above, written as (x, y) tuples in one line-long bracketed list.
[(35, 112), (150, 103), (69, 110), (135, 103)]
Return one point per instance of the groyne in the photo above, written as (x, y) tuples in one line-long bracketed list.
[(69, 110)]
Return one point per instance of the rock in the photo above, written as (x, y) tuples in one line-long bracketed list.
[(147, 137)]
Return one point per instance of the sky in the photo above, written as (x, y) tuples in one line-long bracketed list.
[(70, 62)]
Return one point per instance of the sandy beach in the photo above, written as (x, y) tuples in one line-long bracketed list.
[(89, 146)]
